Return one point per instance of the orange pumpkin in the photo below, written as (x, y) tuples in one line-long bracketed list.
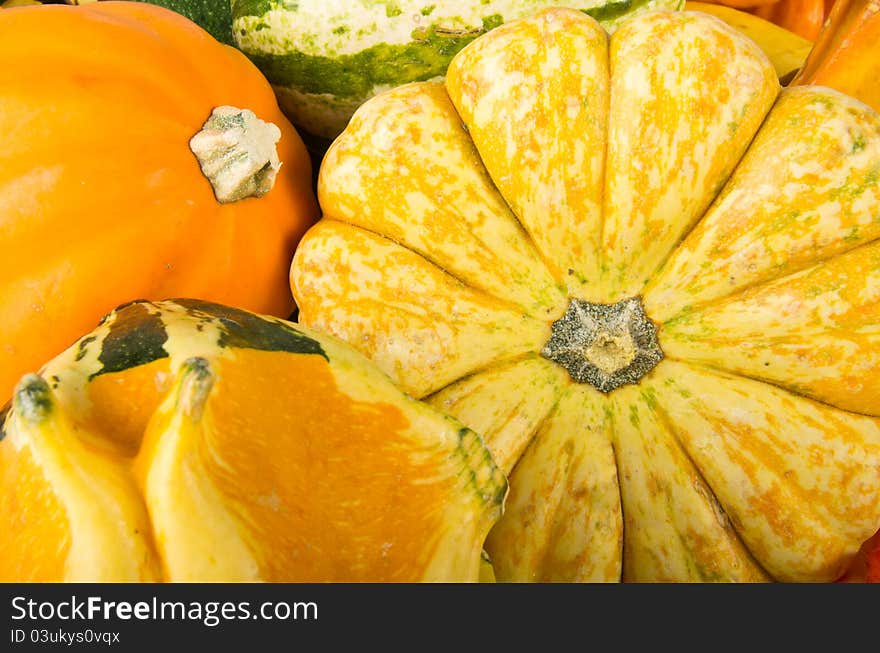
[(102, 201)]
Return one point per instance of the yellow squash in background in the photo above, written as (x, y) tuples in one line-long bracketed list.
[(647, 275)]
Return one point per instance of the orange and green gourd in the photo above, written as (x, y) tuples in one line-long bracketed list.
[(189, 441)]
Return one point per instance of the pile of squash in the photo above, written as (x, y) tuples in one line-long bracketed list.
[(590, 307)]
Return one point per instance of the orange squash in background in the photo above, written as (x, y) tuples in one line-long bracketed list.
[(102, 200), (803, 17), (846, 55)]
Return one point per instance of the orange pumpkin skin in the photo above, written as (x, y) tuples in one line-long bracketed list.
[(101, 199)]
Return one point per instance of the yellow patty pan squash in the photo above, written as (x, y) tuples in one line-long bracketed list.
[(188, 441), (648, 276)]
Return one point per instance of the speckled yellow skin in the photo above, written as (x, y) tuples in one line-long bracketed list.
[(663, 162)]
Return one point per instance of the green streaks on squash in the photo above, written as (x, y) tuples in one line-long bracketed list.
[(356, 75), (243, 330), (136, 336), (137, 333), (324, 61)]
